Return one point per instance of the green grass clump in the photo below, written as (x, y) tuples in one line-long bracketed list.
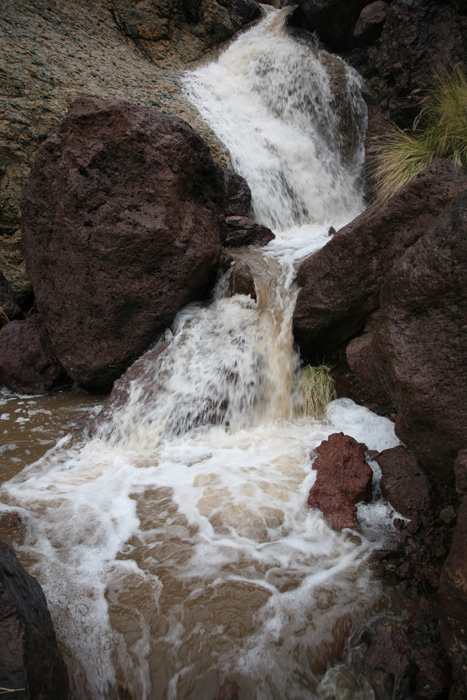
[(439, 132), (317, 389)]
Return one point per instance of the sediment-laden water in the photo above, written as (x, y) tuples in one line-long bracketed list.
[(176, 554)]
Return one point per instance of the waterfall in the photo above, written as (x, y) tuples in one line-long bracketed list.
[(294, 121), (176, 548)]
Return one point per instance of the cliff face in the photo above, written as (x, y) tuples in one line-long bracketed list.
[(55, 52)]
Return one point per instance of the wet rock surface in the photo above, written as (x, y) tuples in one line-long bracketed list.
[(403, 659), (344, 478), (244, 231), (404, 484), (419, 345), (30, 662), (370, 22), (28, 363), (9, 309), (239, 280), (341, 283), (55, 53), (122, 216), (419, 39), (453, 601)]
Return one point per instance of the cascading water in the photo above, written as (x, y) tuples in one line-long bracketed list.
[(176, 554)]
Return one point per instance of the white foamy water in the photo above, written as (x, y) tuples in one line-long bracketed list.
[(177, 554), (275, 104)]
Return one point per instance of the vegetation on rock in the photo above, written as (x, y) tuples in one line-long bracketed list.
[(439, 131), (318, 390)]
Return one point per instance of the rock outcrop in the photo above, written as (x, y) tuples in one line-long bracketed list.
[(419, 39), (28, 363), (55, 53), (453, 599), (30, 661), (9, 309), (243, 231), (404, 483), (344, 478), (341, 282), (420, 343), (122, 217), (239, 280), (332, 20)]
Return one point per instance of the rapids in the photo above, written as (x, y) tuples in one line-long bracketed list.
[(177, 554)]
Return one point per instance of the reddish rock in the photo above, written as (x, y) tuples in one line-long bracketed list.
[(420, 38), (28, 363), (420, 343), (239, 280), (122, 215), (391, 649), (370, 23), (453, 602), (237, 194), (344, 478), (360, 358), (243, 231), (341, 282), (407, 656), (9, 309), (29, 657), (404, 483)]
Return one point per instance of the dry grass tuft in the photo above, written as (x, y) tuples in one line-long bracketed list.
[(440, 131), (318, 390)]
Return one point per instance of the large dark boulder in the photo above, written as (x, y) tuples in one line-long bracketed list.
[(453, 600), (341, 282), (404, 483), (28, 363), (420, 344), (30, 661), (344, 478), (122, 215)]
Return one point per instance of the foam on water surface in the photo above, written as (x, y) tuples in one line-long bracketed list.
[(175, 553)]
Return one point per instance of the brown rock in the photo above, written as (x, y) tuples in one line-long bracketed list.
[(370, 23), (453, 602), (243, 231), (30, 661), (192, 26), (237, 198), (419, 39), (9, 309), (344, 478), (54, 53), (239, 280), (361, 361), (28, 363), (404, 483), (390, 651), (342, 281), (420, 343), (460, 472), (121, 220)]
